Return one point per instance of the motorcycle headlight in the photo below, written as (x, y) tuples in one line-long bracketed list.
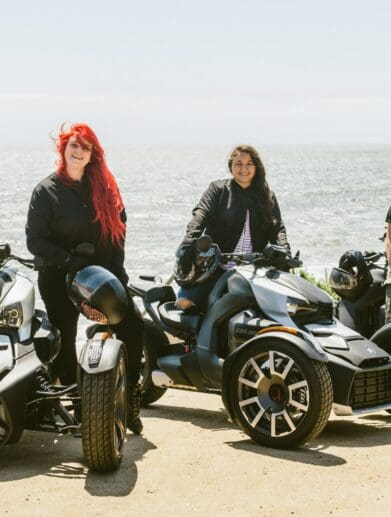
[(11, 315), (295, 305)]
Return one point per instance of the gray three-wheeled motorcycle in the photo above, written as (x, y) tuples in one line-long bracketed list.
[(29, 399), (270, 344)]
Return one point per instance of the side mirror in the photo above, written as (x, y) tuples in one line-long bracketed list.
[(5, 251)]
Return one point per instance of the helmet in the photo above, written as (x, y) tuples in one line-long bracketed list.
[(99, 295), (195, 266), (352, 277)]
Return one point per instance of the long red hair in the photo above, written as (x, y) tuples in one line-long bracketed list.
[(105, 196)]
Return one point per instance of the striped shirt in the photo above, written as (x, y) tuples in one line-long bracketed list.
[(244, 244)]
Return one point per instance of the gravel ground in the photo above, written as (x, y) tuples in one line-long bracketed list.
[(192, 461)]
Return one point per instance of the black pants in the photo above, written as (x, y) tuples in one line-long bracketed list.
[(64, 315)]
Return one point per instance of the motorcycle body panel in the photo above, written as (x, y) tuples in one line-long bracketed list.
[(365, 314), (99, 353), (16, 386)]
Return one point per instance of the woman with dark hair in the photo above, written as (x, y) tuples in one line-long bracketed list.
[(78, 203), (240, 214)]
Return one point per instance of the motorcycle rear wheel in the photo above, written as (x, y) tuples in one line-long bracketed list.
[(280, 397), (103, 416)]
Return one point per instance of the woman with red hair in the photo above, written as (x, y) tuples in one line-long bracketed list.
[(78, 203)]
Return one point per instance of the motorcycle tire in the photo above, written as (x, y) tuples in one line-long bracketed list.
[(14, 437), (154, 340), (280, 397), (103, 416)]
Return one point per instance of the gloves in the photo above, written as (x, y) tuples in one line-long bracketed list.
[(75, 263), (275, 253)]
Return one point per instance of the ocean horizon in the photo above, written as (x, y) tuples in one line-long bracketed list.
[(332, 197)]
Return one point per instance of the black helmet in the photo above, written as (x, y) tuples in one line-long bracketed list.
[(195, 266), (352, 277), (99, 295)]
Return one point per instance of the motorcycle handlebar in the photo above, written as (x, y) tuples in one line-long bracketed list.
[(84, 249), (260, 260), (371, 257)]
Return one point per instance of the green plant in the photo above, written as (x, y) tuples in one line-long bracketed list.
[(322, 284)]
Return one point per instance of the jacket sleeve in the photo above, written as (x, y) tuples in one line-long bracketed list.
[(203, 213), (278, 234), (118, 257), (38, 230)]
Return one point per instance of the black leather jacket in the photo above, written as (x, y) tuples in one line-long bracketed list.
[(60, 217), (221, 213)]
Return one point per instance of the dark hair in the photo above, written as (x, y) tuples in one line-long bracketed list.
[(259, 185), (106, 198)]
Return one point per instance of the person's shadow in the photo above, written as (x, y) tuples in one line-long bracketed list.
[(61, 456)]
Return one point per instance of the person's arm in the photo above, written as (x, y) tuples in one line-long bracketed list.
[(203, 213), (279, 235), (38, 230), (118, 257)]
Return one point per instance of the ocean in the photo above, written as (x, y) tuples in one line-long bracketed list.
[(332, 198)]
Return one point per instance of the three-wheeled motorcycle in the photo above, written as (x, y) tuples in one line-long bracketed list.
[(270, 344), (29, 396), (360, 282)]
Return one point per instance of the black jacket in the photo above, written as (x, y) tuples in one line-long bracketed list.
[(221, 213), (60, 217)]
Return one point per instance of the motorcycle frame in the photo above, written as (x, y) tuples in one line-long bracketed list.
[(205, 370)]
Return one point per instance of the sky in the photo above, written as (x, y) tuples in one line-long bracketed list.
[(197, 72)]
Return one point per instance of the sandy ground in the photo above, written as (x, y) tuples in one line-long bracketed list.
[(192, 461)]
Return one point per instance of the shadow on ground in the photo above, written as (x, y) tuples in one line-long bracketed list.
[(44, 454), (204, 418), (363, 432)]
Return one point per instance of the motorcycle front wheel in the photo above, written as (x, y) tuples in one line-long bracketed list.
[(103, 416), (280, 397)]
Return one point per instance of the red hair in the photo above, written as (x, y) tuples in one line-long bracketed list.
[(105, 196)]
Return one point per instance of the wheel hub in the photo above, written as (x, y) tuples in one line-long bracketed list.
[(276, 393), (273, 393)]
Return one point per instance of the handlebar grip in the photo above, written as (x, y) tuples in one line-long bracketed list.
[(295, 263), (148, 278)]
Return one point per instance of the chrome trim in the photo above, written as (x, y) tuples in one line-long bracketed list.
[(341, 410)]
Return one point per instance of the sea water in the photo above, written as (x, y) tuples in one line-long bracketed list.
[(332, 198)]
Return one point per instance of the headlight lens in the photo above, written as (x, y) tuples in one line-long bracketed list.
[(11, 315), (295, 305)]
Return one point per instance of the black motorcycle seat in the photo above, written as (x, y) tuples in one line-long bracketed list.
[(179, 319)]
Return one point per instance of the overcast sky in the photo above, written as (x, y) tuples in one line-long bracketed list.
[(189, 72)]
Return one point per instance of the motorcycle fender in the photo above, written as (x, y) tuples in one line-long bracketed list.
[(295, 339), (382, 338), (100, 354)]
